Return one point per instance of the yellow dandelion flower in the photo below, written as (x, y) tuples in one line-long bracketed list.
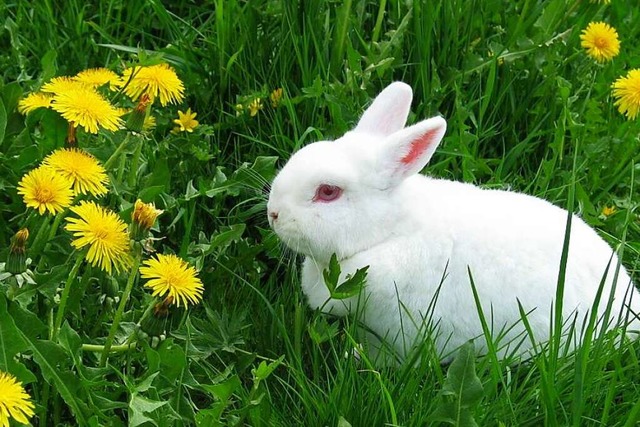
[(608, 211), (186, 121), (156, 81), (276, 97), (96, 77), (81, 168), (105, 234), (14, 401), (62, 84), (45, 190), (255, 106), (85, 107), (627, 91), (33, 101), (171, 276), (145, 214), (601, 41)]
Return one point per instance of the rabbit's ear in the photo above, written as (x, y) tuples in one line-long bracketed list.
[(407, 151), (388, 112)]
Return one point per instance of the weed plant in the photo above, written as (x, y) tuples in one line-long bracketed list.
[(528, 109)]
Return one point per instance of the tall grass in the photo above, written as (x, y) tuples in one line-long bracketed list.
[(527, 109)]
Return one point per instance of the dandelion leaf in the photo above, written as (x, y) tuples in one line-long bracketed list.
[(11, 342), (461, 391), (139, 406)]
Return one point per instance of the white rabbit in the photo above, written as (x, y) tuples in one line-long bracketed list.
[(361, 197)]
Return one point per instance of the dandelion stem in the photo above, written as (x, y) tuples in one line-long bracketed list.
[(133, 168), (56, 224), (36, 247), (114, 348), (123, 302), (65, 297), (111, 160), (146, 313), (52, 233)]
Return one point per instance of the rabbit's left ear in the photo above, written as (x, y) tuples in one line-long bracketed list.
[(406, 152), (388, 112)]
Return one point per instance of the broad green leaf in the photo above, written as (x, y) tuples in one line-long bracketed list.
[(28, 323), (462, 390), (11, 94), (223, 238), (352, 285), (159, 176), (342, 422), (152, 357), (173, 360), (262, 170), (551, 16), (462, 380), (265, 369), (48, 62), (191, 191), (219, 183), (253, 176), (145, 384), (210, 417), (52, 359), (332, 274), (70, 341), (150, 193), (56, 133), (320, 330), (228, 235), (11, 342), (224, 389), (139, 406)]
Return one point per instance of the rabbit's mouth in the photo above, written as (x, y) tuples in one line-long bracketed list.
[(290, 235), (297, 244)]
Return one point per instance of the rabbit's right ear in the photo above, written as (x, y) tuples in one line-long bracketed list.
[(407, 151), (388, 112)]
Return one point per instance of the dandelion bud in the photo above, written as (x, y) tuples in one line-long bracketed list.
[(161, 309), (144, 216), (16, 261), (136, 119), (71, 140)]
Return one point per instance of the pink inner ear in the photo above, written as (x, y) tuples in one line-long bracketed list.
[(419, 146)]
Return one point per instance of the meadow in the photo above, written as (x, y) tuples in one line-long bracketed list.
[(94, 341)]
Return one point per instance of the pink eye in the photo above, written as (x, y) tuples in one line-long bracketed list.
[(327, 193)]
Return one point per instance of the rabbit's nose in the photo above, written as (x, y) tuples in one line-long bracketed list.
[(273, 215)]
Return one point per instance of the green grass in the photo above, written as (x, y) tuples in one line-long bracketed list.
[(527, 109)]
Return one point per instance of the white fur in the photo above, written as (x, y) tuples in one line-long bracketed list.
[(417, 233)]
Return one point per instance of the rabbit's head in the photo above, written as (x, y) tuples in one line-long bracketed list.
[(343, 196)]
